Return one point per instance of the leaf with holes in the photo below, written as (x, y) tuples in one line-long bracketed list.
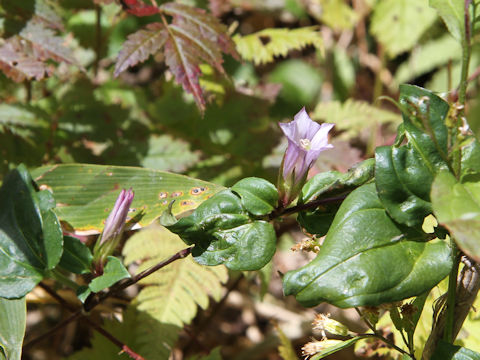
[(46, 44), (367, 259), (18, 65), (85, 194), (263, 46)]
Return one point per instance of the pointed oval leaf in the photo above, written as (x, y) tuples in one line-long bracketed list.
[(76, 257), (367, 259), (85, 194), (258, 196), (29, 244)]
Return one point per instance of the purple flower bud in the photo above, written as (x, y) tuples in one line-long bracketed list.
[(306, 140), (116, 220), (112, 232)]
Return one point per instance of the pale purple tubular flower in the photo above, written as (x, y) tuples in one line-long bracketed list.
[(116, 220), (306, 140)]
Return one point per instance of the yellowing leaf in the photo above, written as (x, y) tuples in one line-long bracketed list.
[(263, 46)]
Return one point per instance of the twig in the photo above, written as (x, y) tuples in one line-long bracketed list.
[(95, 299)]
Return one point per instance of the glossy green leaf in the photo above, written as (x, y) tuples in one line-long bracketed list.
[(446, 351), (113, 272), (404, 174), (457, 207), (367, 259), (12, 327), (246, 247), (30, 234), (257, 195), (76, 257), (85, 194), (452, 13), (223, 233), (329, 184)]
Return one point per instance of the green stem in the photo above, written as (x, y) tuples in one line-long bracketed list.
[(451, 296)]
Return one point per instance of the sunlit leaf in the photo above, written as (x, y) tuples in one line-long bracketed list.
[(398, 24), (85, 194), (262, 47), (140, 45), (12, 327), (452, 13), (367, 259)]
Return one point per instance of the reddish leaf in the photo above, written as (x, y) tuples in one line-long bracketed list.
[(208, 26), (184, 66), (140, 45), (45, 44), (139, 8), (17, 65), (195, 37)]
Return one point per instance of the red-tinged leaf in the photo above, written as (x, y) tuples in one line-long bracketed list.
[(17, 65), (184, 66), (208, 26), (45, 44), (139, 8), (140, 45)]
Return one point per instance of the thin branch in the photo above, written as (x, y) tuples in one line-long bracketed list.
[(95, 299)]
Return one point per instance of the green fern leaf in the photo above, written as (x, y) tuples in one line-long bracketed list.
[(262, 47), (353, 116), (170, 295), (398, 24)]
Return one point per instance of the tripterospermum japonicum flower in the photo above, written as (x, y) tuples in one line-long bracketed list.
[(113, 230), (306, 140)]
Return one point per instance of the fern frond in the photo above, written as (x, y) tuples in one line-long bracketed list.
[(263, 46), (171, 296), (353, 116)]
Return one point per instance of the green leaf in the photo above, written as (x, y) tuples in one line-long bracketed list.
[(285, 349), (334, 13), (329, 184), (215, 354), (76, 257), (113, 272), (12, 327), (446, 351), (452, 13), (404, 175), (257, 195), (457, 207), (367, 259), (29, 244), (399, 24), (246, 247), (353, 116), (263, 46), (223, 233), (470, 166), (85, 194), (170, 296), (169, 154)]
